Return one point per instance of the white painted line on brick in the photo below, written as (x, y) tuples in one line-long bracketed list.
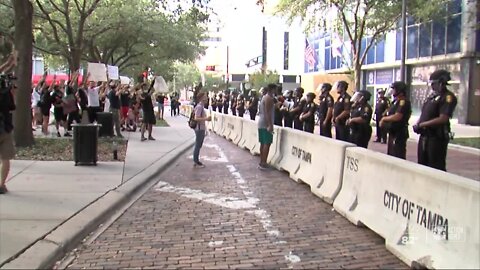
[(292, 258), (215, 243), (213, 198)]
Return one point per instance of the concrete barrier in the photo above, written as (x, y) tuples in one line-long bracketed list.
[(426, 216), (249, 138), (312, 159), (217, 123)]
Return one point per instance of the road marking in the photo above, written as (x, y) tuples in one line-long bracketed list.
[(215, 243)]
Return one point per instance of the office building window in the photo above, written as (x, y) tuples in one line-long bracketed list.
[(454, 30), (425, 40), (285, 50), (412, 41)]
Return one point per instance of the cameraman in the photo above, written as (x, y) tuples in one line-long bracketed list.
[(7, 105)]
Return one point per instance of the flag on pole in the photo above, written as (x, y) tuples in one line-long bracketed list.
[(336, 45), (309, 54)]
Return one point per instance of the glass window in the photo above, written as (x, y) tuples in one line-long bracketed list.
[(371, 54), (380, 51), (364, 45), (438, 38), (454, 29), (328, 54), (412, 42), (425, 39), (455, 7), (327, 42), (398, 43)]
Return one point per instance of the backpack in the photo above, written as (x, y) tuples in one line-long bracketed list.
[(191, 121)]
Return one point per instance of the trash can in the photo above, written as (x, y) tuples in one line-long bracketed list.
[(85, 143), (105, 119)]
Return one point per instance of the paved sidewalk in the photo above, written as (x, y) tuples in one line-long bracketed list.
[(50, 203)]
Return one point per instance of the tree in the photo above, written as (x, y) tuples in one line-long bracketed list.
[(357, 19), (23, 37), (213, 84), (259, 80)]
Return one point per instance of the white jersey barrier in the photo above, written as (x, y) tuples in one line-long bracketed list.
[(235, 124), (249, 138), (425, 215), (218, 123), (312, 159)]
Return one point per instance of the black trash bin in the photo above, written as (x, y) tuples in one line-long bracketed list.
[(85, 142), (105, 119)]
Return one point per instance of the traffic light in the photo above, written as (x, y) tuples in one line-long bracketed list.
[(210, 68)]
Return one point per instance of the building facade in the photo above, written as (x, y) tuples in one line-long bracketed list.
[(451, 42)]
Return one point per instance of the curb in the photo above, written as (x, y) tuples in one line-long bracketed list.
[(45, 252)]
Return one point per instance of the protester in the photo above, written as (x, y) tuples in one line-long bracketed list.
[(114, 98), (160, 105), (148, 119), (200, 129), (265, 124)]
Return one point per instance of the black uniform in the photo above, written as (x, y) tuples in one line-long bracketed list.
[(207, 103), (241, 107), (360, 133), (233, 105), (326, 102), (398, 131), (253, 107), (219, 103), (380, 109), (214, 104), (226, 98), (342, 104), (433, 143), (309, 122), (300, 103), (277, 114), (287, 117)]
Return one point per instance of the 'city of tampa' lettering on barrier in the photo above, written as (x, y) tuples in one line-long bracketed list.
[(433, 222), (302, 154)]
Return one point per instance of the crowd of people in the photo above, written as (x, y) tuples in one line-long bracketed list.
[(350, 116)]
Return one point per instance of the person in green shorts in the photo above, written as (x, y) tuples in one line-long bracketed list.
[(265, 124)]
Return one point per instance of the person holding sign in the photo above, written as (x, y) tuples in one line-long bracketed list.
[(148, 113)]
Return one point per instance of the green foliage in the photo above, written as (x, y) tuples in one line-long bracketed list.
[(186, 75), (357, 19), (258, 79), (214, 84)]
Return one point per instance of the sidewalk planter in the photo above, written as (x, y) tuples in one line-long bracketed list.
[(105, 120), (85, 143)]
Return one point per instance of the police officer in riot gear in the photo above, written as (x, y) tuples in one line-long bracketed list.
[(214, 103), (285, 109), (359, 121), (381, 108), (396, 121), (298, 106), (253, 104), (226, 100), (434, 122), (308, 114), (233, 102), (325, 110), (341, 112), (241, 105)]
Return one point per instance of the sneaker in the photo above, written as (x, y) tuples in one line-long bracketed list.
[(58, 134), (3, 189), (66, 134), (143, 139), (262, 167), (151, 138), (198, 165)]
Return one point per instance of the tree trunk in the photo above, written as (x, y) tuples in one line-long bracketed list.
[(23, 43), (358, 75)]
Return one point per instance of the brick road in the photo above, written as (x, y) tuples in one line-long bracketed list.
[(232, 215)]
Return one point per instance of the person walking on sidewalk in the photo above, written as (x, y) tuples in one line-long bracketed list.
[(265, 124), (434, 122), (200, 129), (7, 105), (396, 121)]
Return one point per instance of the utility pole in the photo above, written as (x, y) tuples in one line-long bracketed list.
[(404, 41), (228, 74)]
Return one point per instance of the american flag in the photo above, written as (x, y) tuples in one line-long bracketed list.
[(309, 54)]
